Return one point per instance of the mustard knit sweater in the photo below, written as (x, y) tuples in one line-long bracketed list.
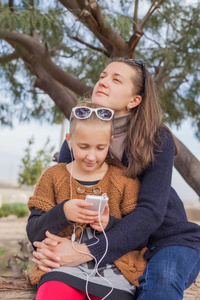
[(54, 187)]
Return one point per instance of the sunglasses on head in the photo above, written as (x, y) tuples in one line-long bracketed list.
[(84, 112), (142, 64)]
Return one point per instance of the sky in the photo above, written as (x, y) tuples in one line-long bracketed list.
[(14, 141)]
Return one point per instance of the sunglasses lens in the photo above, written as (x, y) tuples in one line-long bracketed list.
[(82, 112), (104, 114)]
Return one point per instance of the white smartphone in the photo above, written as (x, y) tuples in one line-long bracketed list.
[(97, 200)]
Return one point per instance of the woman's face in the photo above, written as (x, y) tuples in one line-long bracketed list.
[(115, 87)]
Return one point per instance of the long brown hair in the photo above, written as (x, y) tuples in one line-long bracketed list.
[(144, 120)]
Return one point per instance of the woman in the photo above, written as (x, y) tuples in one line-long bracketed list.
[(147, 148)]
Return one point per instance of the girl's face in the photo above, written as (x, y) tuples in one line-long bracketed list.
[(90, 145), (115, 88)]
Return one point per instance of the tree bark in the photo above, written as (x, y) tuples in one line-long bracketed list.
[(188, 166), (64, 99), (18, 289), (38, 53)]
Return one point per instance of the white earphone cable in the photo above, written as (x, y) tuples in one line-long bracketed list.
[(82, 252)]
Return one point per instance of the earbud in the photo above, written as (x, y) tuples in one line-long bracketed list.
[(73, 237), (69, 144)]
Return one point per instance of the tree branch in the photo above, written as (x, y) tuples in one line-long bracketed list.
[(70, 5), (9, 57), (92, 17), (151, 10), (107, 31), (89, 21), (91, 46), (135, 18), (97, 13), (64, 99), (11, 5), (188, 166), (134, 40), (161, 72), (81, 3), (154, 41), (40, 55), (111, 40)]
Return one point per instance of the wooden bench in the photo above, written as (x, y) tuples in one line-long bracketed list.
[(16, 288)]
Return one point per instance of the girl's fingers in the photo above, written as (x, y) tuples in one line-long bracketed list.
[(39, 244), (53, 237), (38, 255), (45, 269), (38, 262), (46, 253), (50, 242), (89, 213), (46, 263), (96, 227), (85, 204), (106, 210)]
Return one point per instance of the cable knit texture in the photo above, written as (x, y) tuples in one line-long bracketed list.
[(54, 187)]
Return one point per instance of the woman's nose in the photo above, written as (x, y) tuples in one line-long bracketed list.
[(103, 82)]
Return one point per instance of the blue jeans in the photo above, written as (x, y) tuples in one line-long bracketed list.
[(168, 273)]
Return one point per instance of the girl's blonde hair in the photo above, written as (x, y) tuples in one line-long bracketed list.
[(93, 119)]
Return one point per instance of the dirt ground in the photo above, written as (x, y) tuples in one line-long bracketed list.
[(12, 230)]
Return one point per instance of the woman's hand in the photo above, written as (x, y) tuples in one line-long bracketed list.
[(55, 251), (104, 220), (76, 211)]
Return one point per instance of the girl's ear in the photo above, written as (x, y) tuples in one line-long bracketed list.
[(67, 136), (68, 139), (135, 101)]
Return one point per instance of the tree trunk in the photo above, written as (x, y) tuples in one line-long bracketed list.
[(16, 288), (188, 166)]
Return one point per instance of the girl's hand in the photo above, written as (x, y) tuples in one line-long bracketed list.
[(104, 220), (76, 211), (55, 251)]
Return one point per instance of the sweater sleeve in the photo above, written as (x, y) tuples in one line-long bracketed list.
[(46, 214), (149, 213), (40, 221)]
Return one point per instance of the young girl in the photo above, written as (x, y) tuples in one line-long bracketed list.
[(147, 148), (58, 206)]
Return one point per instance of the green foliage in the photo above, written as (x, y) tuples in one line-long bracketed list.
[(2, 251), (18, 209), (25, 20), (32, 167), (27, 103), (170, 40)]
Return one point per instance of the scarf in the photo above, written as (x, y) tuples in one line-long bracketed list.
[(120, 129)]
